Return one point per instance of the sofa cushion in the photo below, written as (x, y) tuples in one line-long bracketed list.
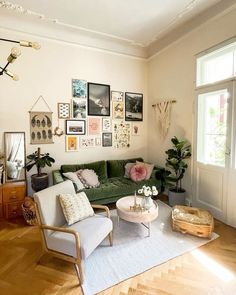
[(116, 187), (149, 168), (75, 207), (92, 231), (116, 168), (138, 172), (88, 177), (99, 167), (74, 178)]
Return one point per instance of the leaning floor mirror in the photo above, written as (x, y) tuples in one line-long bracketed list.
[(15, 156)]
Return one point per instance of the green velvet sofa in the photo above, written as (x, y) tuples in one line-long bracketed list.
[(113, 184)]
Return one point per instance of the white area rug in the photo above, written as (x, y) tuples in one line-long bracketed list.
[(133, 252)]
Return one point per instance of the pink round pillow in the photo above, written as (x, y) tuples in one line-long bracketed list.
[(138, 172)]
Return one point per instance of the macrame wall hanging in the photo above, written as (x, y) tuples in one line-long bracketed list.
[(40, 124), (163, 115)]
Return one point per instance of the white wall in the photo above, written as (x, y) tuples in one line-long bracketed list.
[(48, 72), (171, 74)]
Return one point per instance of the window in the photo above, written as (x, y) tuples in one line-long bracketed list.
[(212, 127), (217, 65)]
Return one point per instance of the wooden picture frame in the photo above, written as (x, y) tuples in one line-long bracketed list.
[(98, 99), (133, 106), (75, 127)]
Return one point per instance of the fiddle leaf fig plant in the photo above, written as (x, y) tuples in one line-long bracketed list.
[(176, 161), (39, 160)]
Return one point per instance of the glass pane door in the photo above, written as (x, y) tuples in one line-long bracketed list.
[(212, 127)]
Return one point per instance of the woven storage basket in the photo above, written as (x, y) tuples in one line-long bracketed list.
[(194, 221), (29, 215)]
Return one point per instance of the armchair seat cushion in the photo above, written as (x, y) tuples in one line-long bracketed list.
[(92, 231)]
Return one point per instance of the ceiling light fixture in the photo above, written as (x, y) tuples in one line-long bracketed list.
[(15, 52)]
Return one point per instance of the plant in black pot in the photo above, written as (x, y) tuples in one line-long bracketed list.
[(39, 181), (175, 161)]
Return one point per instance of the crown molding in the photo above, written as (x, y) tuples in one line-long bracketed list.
[(183, 30), (13, 18)]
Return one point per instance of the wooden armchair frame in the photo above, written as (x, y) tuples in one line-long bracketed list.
[(78, 263)]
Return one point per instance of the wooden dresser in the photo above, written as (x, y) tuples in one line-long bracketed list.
[(1, 206), (13, 194)]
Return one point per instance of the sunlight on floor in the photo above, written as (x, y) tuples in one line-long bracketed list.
[(220, 271)]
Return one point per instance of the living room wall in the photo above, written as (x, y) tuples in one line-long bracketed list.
[(171, 74), (49, 72)]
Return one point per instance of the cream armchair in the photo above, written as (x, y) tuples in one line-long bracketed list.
[(72, 243)]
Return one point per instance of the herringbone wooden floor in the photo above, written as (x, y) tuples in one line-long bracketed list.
[(210, 270)]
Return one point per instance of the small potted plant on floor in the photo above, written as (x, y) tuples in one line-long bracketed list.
[(39, 181), (175, 161)]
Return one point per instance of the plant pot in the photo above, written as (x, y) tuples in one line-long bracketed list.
[(176, 198), (39, 182)]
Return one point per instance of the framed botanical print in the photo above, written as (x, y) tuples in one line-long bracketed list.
[(98, 99), (86, 142), (71, 143), (63, 109), (75, 127), (133, 106), (118, 110), (107, 139)]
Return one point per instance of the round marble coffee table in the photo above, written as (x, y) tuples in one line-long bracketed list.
[(145, 217)]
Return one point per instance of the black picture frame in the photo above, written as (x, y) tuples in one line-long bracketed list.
[(98, 99), (75, 127), (133, 106), (107, 139)]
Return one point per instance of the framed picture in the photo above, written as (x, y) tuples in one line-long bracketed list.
[(94, 126), (106, 124), (121, 134), (117, 96), (133, 106), (63, 110), (79, 88), (79, 108), (98, 141), (71, 143), (117, 110), (75, 127), (107, 139), (86, 142), (98, 99), (136, 129)]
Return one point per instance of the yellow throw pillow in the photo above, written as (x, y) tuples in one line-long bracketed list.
[(75, 207)]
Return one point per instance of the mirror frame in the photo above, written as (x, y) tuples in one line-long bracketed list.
[(5, 161)]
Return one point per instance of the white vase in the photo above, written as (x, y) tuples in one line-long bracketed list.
[(148, 202)]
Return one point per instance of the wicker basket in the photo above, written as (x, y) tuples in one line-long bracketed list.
[(29, 214), (194, 221)]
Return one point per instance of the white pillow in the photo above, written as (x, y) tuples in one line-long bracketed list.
[(88, 177), (74, 178), (75, 207)]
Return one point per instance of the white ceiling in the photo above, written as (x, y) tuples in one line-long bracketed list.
[(134, 25)]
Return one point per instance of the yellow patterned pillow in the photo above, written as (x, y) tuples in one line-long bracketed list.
[(75, 207)]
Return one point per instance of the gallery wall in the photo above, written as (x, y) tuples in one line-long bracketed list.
[(171, 75), (49, 72)]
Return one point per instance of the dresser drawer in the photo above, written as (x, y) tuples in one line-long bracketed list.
[(13, 210), (13, 193), (0, 194), (1, 211)]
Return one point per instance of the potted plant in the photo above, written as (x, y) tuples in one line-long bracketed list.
[(39, 181), (175, 161)]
